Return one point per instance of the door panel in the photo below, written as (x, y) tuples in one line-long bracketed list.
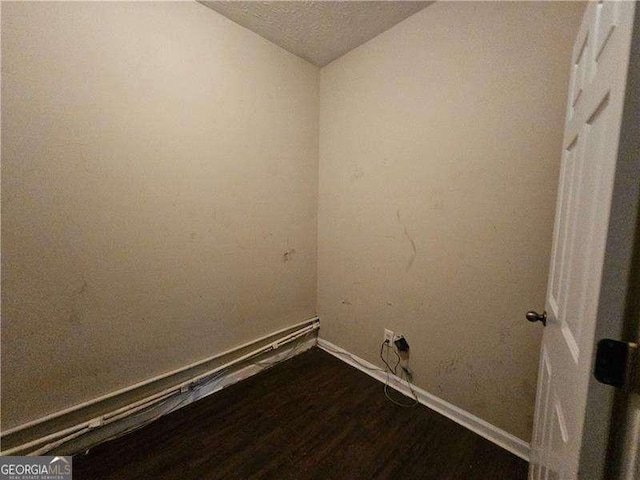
[(607, 20), (594, 113), (580, 69)]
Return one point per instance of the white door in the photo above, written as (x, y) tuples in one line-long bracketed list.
[(590, 149)]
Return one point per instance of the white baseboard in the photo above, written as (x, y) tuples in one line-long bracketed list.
[(492, 433)]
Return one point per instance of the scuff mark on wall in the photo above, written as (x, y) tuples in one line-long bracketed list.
[(287, 255), (76, 316), (82, 289), (414, 251), (356, 172), (438, 205), (393, 237)]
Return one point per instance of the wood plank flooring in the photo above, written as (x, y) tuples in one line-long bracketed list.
[(311, 417)]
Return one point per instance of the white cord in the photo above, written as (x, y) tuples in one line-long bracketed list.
[(156, 417), (158, 403), (386, 384), (290, 354)]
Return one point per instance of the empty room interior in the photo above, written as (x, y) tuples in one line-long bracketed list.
[(320, 239)]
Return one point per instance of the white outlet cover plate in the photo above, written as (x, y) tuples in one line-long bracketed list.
[(388, 335)]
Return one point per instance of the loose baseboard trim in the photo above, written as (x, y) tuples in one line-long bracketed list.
[(81, 436), (483, 428)]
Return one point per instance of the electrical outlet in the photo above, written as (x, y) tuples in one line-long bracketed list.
[(388, 336)]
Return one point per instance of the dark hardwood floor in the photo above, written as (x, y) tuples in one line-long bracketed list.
[(311, 417)]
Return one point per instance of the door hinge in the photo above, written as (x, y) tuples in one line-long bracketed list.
[(617, 364)]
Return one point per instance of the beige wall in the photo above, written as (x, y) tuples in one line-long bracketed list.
[(440, 144), (160, 189), (159, 162)]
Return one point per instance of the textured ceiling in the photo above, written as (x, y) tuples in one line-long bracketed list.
[(318, 31)]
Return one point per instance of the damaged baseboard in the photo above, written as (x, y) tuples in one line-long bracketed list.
[(81, 428), (483, 428)]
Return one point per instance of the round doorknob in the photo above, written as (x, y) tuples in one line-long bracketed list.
[(537, 317)]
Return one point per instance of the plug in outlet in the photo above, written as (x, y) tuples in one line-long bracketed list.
[(388, 337)]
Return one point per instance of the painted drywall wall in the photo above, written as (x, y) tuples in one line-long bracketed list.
[(159, 194), (440, 145)]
